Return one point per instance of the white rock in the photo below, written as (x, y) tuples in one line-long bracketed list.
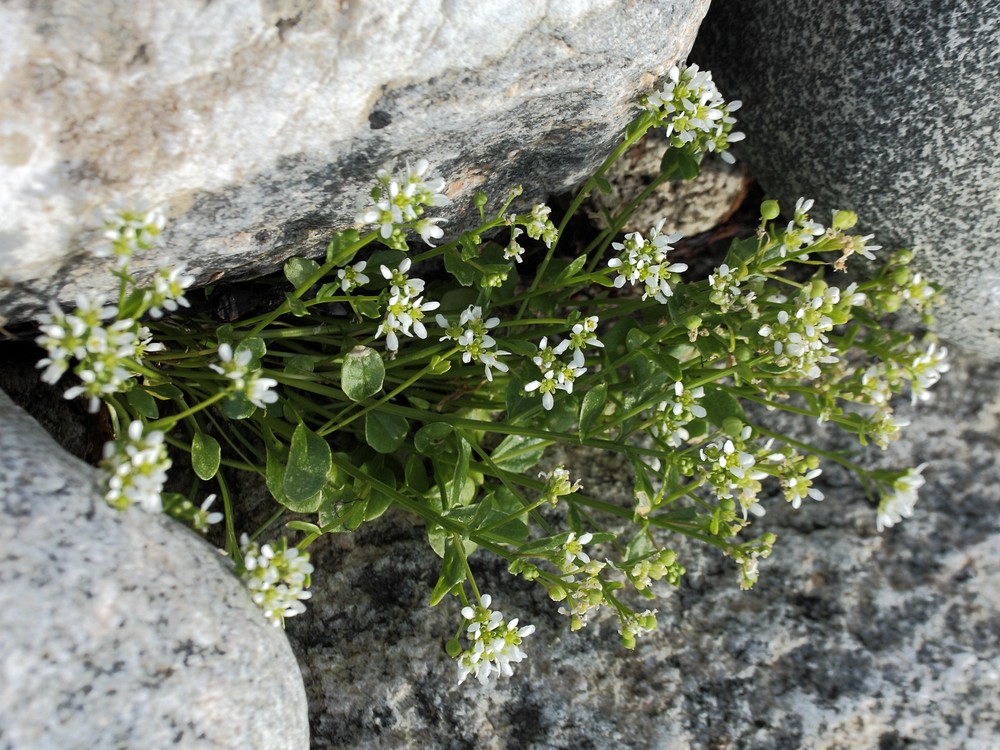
[(125, 630), (258, 126)]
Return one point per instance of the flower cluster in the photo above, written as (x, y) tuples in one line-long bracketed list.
[(540, 226), (127, 231), (557, 375), (495, 644), (406, 309), (644, 261), (236, 367), (137, 466), (106, 350), (693, 112), (399, 200), (798, 338), (663, 565), (727, 292), (471, 333), (557, 484), (731, 471), (278, 577)]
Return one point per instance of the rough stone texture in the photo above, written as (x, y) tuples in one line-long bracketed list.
[(887, 108), (851, 639), (687, 206), (124, 630), (259, 124)]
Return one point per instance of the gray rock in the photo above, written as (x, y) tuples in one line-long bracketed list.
[(851, 638), (124, 630), (259, 126), (886, 108)]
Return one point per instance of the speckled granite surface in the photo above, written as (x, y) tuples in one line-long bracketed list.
[(884, 107), (124, 630), (851, 639)]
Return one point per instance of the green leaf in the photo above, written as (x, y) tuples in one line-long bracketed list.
[(274, 471), (603, 185), (296, 306), (639, 547), (517, 453), (299, 270), (301, 364), (453, 572), (385, 432), (461, 475), (304, 526), (430, 437), (339, 251), (140, 400), (257, 348), (571, 270), (237, 406), (205, 455), (415, 474), (362, 374), (463, 272), (166, 392), (309, 462), (680, 164), (721, 405), (592, 407)]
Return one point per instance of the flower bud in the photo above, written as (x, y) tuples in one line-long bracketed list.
[(844, 220), (692, 322), (890, 302), (900, 276), (556, 592), (769, 210), (480, 199), (732, 426)]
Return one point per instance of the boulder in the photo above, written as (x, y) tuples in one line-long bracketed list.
[(258, 126), (885, 108), (124, 629), (851, 638)]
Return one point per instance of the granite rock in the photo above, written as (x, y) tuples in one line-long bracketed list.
[(887, 108), (850, 639), (124, 630), (259, 124)]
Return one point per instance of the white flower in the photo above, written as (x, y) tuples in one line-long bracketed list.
[(236, 367), (167, 292), (352, 277), (645, 262), (799, 487), (899, 504), (404, 316), (471, 333), (202, 519), (572, 550)]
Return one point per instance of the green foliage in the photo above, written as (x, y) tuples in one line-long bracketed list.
[(436, 382)]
